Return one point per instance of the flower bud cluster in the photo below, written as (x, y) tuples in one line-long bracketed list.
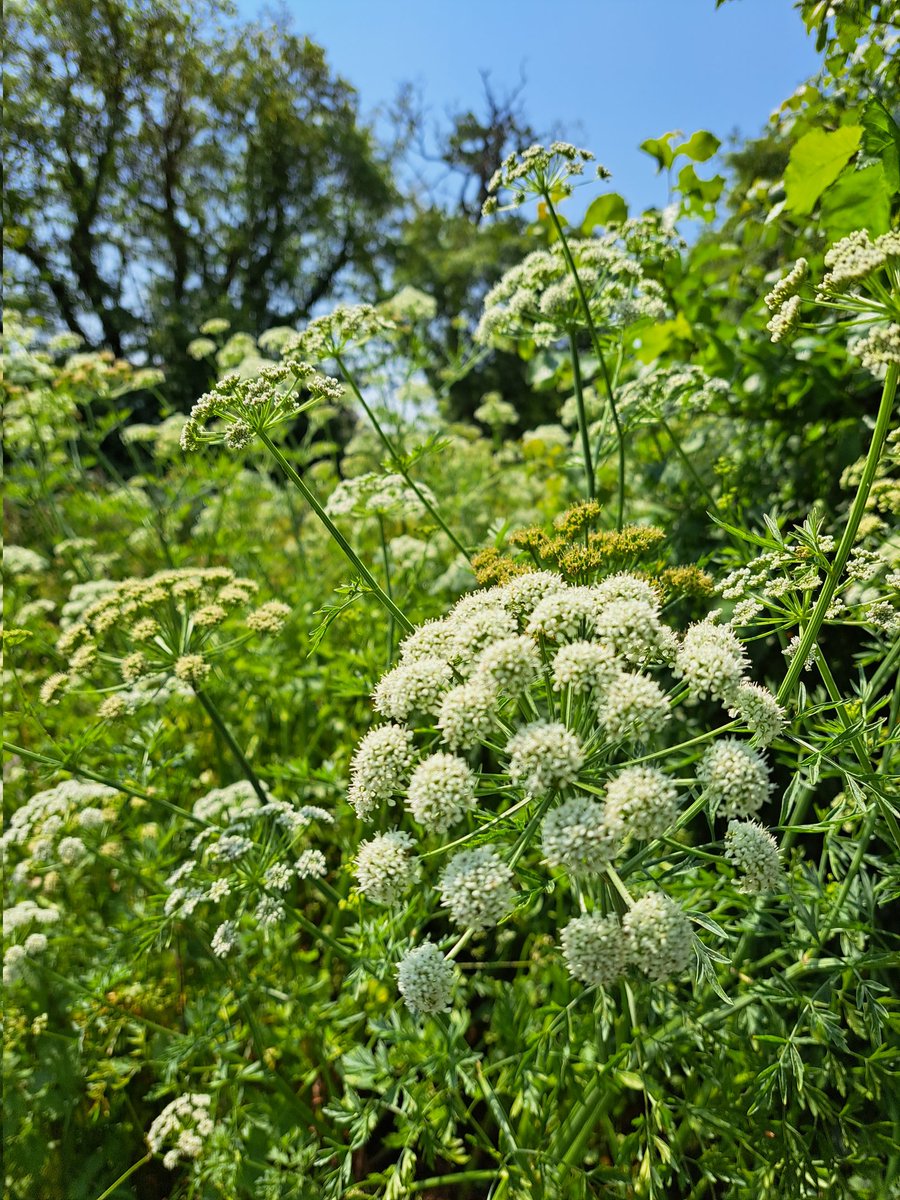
[(183, 1126), (238, 409), (140, 639)]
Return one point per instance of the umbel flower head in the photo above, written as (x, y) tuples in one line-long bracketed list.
[(142, 640), (183, 1126), (511, 751), (538, 171), (861, 282), (539, 299), (754, 852), (328, 336), (239, 409), (425, 979)]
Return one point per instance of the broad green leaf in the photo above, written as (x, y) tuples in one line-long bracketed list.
[(700, 146), (662, 336), (881, 139), (858, 200), (660, 149), (610, 209), (816, 161)]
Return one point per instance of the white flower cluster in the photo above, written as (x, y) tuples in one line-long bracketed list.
[(669, 393), (385, 868), (246, 856), (880, 348), (374, 495), (754, 852), (476, 886), (855, 258), (155, 632), (529, 695), (538, 171), (539, 298), (328, 336), (425, 979), (50, 826), (240, 408), (654, 937), (19, 917), (183, 1125)]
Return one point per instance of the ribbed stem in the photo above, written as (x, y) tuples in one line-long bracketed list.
[(313, 501), (857, 511), (582, 419), (397, 460), (598, 350)]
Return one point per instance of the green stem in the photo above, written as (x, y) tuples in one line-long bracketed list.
[(127, 1175), (689, 466), (397, 459), (218, 721), (80, 772), (386, 559), (598, 350), (582, 419), (879, 436), (312, 500)]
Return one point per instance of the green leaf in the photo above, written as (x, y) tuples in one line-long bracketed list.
[(881, 139), (610, 209), (700, 146), (816, 160), (858, 200), (660, 149)]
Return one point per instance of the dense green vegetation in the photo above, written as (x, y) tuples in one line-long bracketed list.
[(453, 689)]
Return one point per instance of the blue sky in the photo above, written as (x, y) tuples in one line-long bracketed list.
[(606, 73)]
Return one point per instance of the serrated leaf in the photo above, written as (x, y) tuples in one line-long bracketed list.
[(816, 160)]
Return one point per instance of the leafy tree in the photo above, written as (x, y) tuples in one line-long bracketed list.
[(167, 165)]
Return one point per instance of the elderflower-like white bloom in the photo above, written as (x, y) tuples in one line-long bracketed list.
[(760, 711), (544, 755), (634, 709), (521, 594), (183, 1126), (425, 979), (385, 868), (224, 939), (582, 666), (467, 713), (563, 614), (712, 660), (785, 321), (754, 852), (632, 629), (227, 805), (735, 778), (413, 687), (658, 937), (441, 791), (512, 663), (854, 258), (788, 286), (431, 640), (476, 886), (238, 408), (380, 766), (880, 348), (594, 949), (581, 834), (644, 799)]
